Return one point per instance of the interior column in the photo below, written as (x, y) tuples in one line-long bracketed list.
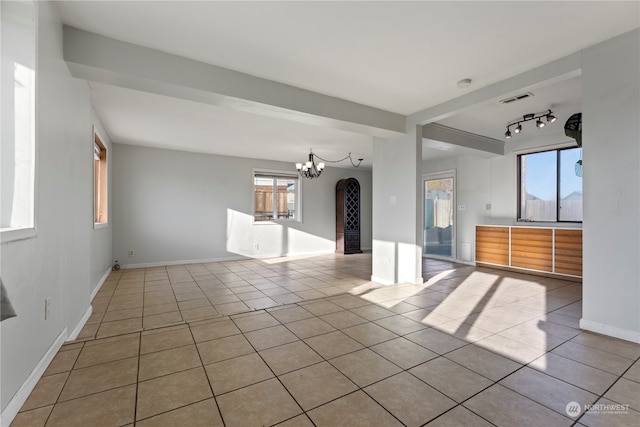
[(397, 209)]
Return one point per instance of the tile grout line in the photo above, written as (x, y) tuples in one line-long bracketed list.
[(607, 390), (317, 316), (324, 360)]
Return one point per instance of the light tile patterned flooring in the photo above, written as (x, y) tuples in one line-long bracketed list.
[(310, 341)]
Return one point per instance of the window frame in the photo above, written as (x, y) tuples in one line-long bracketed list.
[(557, 150), (276, 174), (29, 231), (101, 187)]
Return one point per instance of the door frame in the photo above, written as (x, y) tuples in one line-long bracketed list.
[(454, 247)]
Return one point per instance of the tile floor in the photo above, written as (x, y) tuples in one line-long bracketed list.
[(310, 341)]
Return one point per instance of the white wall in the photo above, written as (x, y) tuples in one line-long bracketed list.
[(174, 206), (481, 181), (56, 263), (611, 141)]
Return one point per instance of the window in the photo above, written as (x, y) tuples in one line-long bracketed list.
[(18, 89), (550, 187), (99, 181), (275, 197)]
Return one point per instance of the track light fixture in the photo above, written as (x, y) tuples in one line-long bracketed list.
[(528, 117)]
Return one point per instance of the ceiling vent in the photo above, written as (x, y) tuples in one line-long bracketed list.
[(516, 98)]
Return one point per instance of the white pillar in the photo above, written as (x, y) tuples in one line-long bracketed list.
[(397, 209), (611, 153)]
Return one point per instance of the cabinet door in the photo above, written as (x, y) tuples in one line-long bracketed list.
[(568, 252), (532, 248), (492, 245)]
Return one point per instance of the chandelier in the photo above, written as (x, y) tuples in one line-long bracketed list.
[(528, 117), (310, 169)]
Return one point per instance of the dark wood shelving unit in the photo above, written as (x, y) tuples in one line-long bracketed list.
[(348, 216)]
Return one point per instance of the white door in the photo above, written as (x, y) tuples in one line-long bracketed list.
[(439, 215)]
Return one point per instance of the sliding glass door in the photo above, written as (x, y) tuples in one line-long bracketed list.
[(439, 211)]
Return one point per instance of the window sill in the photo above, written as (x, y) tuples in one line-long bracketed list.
[(14, 234), (99, 225), (278, 222)]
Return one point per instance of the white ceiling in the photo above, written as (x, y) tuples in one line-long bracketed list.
[(397, 56), (139, 118)]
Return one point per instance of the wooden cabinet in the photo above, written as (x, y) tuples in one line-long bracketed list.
[(532, 248), (549, 251), (568, 252), (348, 216), (492, 245)]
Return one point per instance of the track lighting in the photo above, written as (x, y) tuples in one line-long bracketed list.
[(528, 117)]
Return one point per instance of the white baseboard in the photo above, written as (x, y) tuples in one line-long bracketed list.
[(459, 261), (381, 281), (76, 331), (416, 281), (97, 288), (305, 254), (231, 258), (612, 331), (185, 261), (14, 405)]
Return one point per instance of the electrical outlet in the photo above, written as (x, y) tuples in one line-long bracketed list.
[(488, 206), (461, 207), (48, 308), (256, 246), (131, 252)]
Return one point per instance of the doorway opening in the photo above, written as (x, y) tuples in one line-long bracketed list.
[(439, 215)]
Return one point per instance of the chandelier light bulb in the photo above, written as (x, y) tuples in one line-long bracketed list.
[(539, 124), (310, 169), (551, 118), (507, 134), (518, 129)]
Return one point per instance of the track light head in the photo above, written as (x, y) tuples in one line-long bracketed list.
[(550, 118)]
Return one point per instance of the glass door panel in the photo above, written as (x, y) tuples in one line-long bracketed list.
[(438, 217)]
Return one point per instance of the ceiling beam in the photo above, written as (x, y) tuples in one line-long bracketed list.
[(461, 138), (561, 69), (105, 60)]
